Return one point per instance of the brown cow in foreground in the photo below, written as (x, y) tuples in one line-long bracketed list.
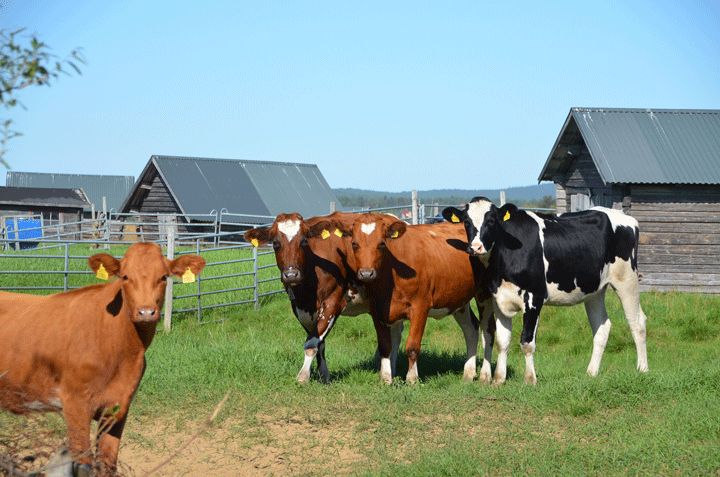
[(312, 258), (412, 272), (83, 352)]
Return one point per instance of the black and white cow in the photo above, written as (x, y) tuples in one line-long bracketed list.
[(537, 259)]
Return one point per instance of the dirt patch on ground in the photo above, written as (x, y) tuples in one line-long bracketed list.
[(272, 446)]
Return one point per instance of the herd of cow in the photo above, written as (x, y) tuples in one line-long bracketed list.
[(83, 352)]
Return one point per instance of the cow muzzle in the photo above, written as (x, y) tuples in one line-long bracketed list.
[(291, 276), (366, 274), (147, 313)]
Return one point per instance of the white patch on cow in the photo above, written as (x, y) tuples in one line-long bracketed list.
[(508, 299), (541, 235), (289, 228), (530, 301), (367, 229), (304, 374), (412, 375), (618, 218), (385, 370), (557, 297), (329, 327), (477, 210), (51, 405), (305, 318), (438, 312)]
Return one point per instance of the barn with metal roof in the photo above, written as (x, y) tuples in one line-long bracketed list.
[(114, 188), (661, 166), (193, 185)]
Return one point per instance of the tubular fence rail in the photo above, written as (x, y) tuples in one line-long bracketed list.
[(53, 257)]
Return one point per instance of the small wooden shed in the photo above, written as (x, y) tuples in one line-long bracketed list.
[(660, 166)]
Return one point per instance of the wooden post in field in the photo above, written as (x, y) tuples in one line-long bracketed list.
[(333, 206), (107, 229), (167, 319), (414, 207), (502, 198)]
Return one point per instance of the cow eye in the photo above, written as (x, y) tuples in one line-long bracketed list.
[(355, 246), (381, 246), (125, 277), (276, 245), (163, 278), (304, 242)]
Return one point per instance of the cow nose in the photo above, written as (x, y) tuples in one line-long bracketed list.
[(291, 275), (147, 313), (366, 274)]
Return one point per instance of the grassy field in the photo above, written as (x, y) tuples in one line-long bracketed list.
[(666, 422)]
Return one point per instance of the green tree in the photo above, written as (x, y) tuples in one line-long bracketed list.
[(26, 61)]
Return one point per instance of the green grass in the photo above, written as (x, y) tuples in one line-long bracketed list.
[(621, 423)]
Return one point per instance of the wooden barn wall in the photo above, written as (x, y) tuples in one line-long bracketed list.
[(158, 199), (582, 177), (679, 237)]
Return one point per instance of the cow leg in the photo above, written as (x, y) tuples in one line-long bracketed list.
[(396, 330), (600, 325), (385, 348), (487, 324), (77, 418), (503, 335), (311, 348), (413, 343), (322, 363), (629, 293), (470, 328), (527, 342), (109, 443)]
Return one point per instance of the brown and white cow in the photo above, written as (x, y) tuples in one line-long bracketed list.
[(412, 272), (312, 256), (82, 352)]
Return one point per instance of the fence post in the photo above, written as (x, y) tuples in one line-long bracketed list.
[(502, 198), (107, 223), (256, 269), (333, 206), (199, 304), (414, 207), (167, 319), (66, 267)]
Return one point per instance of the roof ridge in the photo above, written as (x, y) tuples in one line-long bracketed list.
[(219, 159), (645, 110)]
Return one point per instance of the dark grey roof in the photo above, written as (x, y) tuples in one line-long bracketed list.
[(43, 197), (643, 146), (200, 185), (114, 188)]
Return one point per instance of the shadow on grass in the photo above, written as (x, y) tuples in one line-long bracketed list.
[(430, 366)]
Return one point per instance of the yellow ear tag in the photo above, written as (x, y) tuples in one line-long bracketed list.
[(454, 219), (255, 242), (101, 273), (188, 276), (395, 234), (338, 232), (507, 216), (325, 234)]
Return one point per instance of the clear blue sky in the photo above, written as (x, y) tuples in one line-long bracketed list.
[(381, 95)]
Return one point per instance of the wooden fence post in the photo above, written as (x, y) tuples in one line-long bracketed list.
[(502, 198), (256, 271), (414, 207), (167, 319)]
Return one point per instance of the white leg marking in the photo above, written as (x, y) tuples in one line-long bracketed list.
[(465, 319), (600, 326), (503, 336), (329, 327), (385, 371), (625, 283), (412, 374), (529, 350), (487, 341), (304, 374)]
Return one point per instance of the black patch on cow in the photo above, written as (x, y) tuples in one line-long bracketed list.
[(115, 305)]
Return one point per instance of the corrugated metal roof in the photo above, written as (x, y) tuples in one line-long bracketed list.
[(43, 197), (644, 146), (114, 188), (200, 185)]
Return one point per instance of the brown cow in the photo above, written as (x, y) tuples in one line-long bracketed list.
[(312, 258), (412, 272), (82, 352)]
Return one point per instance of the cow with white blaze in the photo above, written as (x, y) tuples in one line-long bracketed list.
[(537, 259), (312, 258)]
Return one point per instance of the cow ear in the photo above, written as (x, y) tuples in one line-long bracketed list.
[(396, 229), (258, 236), (180, 265), (506, 212), (452, 214), (104, 265), (341, 229), (321, 229)]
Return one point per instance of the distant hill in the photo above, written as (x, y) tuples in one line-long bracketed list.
[(533, 194)]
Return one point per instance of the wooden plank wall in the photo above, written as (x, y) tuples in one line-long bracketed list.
[(679, 237)]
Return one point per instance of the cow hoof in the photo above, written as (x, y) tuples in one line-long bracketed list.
[(498, 381), (592, 372), (530, 379), (386, 379), (485, 377), (411, 380), (643, 369)]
